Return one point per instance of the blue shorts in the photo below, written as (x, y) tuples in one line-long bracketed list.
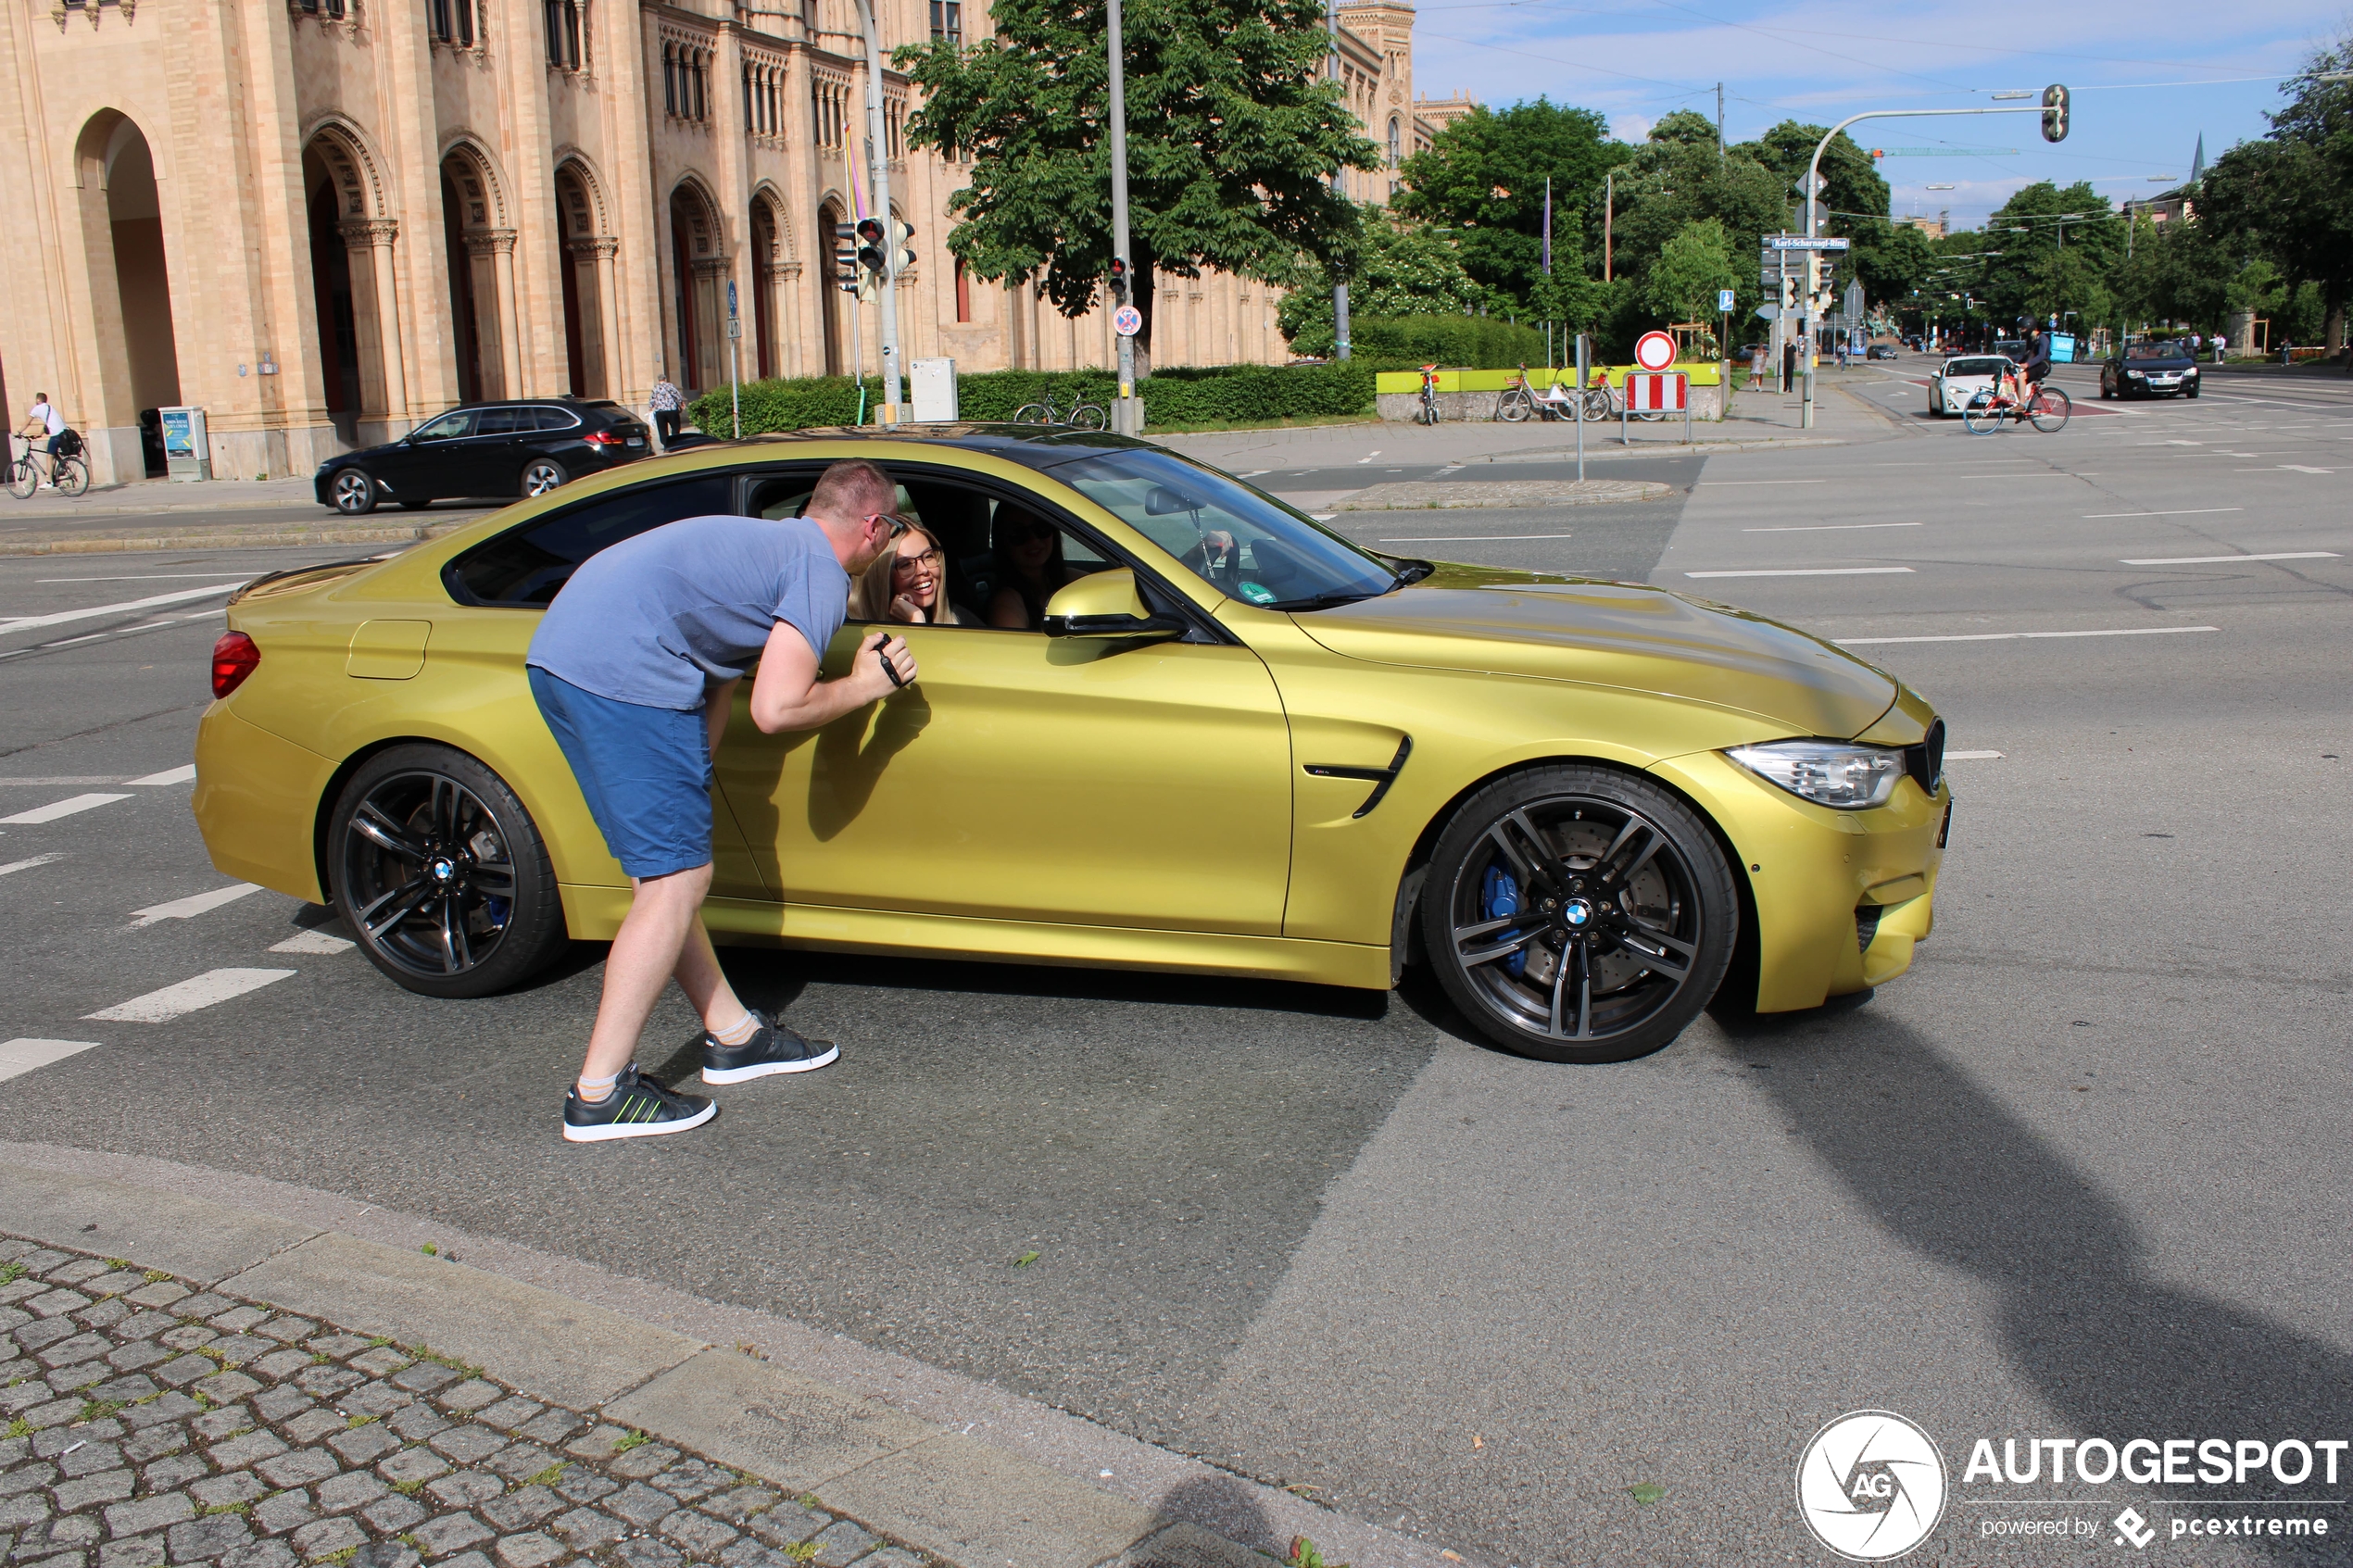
[(645, 772)]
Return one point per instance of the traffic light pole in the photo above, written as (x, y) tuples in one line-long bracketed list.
[(1123, 412), (1814, 212), (878, 164)]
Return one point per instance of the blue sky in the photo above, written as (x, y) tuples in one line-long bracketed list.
[(2128, 62)]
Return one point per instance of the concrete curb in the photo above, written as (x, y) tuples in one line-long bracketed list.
[(214, 503), (966, 1471)]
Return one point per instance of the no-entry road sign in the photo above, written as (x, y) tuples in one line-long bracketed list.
[(1653, 351)]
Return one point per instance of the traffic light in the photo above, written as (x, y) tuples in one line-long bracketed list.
[(902, 246), (846, 255), (2055, 113), (870, 244), (1818, 285), (1790, 284), (1119, 279)]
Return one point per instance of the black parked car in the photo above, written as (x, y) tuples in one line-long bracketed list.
[(1880, 351), (2151, 368), (501, 449)]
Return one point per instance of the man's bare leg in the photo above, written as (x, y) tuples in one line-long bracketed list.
[(661, 939)]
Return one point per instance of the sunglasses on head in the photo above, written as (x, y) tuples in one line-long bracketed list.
[(898, 524)]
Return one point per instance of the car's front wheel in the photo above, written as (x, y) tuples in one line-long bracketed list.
[(353, 493), (1579, 914), (442, 874), (541, 475)]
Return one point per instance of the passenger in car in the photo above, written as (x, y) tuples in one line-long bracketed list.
[(1030, 569), (908, 583)]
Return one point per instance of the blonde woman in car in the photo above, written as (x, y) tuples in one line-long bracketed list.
[(908, 583)]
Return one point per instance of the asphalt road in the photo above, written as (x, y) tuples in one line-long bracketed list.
[(2080, 1174)]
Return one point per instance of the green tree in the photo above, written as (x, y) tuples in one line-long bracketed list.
[(1483, 177), (1233, 132), (1677, 178), (1402, 267), (1855, 196), (1682, 282), (2059, 245), (2288, 196)]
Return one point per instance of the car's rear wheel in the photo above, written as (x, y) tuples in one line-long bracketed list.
[(541, 475), (1579, 914), (353, 493), (442, 874)]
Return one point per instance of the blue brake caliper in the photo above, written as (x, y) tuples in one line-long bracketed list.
[(1499, 898)]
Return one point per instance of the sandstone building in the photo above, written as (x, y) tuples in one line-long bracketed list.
[(325, 220)]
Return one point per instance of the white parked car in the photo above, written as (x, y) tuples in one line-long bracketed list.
[(1962, 378)]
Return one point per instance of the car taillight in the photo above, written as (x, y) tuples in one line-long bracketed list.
[(233, 658), (601, 438)]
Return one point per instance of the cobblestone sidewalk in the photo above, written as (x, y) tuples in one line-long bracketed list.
[(148, 1423)]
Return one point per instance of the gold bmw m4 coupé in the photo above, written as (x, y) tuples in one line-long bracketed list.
[(1230, 743)]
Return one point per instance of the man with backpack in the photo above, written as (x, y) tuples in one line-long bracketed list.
[(43, 426)]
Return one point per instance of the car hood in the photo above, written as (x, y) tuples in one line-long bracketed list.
[(1620, 634), (2185, 363)]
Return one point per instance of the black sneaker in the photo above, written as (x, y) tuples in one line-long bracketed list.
[(772, 1049), (638, 1107)]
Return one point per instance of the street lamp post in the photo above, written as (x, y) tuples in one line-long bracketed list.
[(1124, 421), (1339, 286), (878, 166)]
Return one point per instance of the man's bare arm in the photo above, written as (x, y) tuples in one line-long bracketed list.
[(786, 694)]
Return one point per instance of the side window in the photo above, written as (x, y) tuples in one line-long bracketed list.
[(523, 567), (448, 427), (777, 496), (503, 421), (554, 419), (1030, 558)]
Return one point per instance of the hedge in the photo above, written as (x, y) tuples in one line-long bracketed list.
[(1249, 393)]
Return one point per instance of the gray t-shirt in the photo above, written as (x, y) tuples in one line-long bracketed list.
[(656, 619)]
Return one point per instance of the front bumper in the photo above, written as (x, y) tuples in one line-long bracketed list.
[(1840, 898)]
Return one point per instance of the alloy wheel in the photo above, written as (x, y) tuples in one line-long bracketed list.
[(428, 879), (354, 492), (540, 477)]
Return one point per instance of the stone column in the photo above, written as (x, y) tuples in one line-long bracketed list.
[(710, 317), (375, 308), (502, 273), (597, 255), (490, 316)]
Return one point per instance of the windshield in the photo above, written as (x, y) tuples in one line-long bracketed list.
[(2156, 351), (1245, 545), (1977, 366)]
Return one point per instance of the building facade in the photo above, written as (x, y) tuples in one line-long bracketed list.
[(325, 220)]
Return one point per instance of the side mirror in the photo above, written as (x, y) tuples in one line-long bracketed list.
[(1105, 603)]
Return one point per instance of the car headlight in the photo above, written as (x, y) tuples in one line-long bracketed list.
[(2136, 375), (1844, 775)]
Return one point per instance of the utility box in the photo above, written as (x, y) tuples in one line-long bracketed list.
[(932, 391), (188, 453)]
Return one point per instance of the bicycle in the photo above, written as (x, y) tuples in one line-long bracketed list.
[(1083, 415), (70, 474), (1520, 401), (2046, 406), (1430, 395), (1602, 400)]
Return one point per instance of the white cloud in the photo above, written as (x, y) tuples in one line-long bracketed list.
[(1630, 127)]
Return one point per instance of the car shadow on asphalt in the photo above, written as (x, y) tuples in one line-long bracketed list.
[(1955, 1175)]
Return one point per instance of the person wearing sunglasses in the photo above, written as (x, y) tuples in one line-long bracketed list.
[(908, 583), (1030, 569), (635, 667)]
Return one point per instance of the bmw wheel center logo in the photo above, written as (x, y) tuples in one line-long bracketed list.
[(1577, 914), (1870, 1485)]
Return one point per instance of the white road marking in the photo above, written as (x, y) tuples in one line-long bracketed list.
[(184, 774), (312, 942), (2016, 637), (1972, 756), (27, 865), (143, 577), (1810, 571), (193, 905), (69, 642), (2193, 511), (32, 623), (2301, 468), (2211, 560), (1825, 527), (24, 1055), (65, 808), (1450, 538), (66, 779), (1718, 483), (212, 987)]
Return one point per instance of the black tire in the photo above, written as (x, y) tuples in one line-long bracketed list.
[(353, 493), (73, 476), (541, 475), (441, 874), (2190, 393), (2048, 408), (2107, 391), (23, 479), (1623, 881), (1515, 405)]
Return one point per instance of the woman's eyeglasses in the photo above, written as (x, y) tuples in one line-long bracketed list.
[(908, 563)]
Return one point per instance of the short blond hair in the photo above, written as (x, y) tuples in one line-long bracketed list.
[(845, 490)]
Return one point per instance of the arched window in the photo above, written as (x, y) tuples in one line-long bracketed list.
[(1396, 142), (563, 33), (669, 81)]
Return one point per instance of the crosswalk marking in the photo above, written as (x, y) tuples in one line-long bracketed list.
[(24, 1055), (65, 808), (312, 942), (193, 905), (184, 774), (204, 990), (27, 865), (35, 622)]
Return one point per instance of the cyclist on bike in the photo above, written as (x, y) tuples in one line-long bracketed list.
[(43, 425), (2023, 381)]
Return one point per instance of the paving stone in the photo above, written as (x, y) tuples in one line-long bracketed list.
[(600, 1442), (220, 1491), (70, 1534), (646, 1459), (287, 1330), (125, 1390), (697, 1531), (201, 1540), (364, 1444), (54, 1413), (530, 1549), (279, 1403), (203, 1304), (335, 1346), (416, 1423), (286, 1511), (326, 1538), (691, 1479), (148, 1513), (580, 1484), (411, 1465), (215, 1426), (470, 1396), (56, 1303), (510, 1412), (450, 1533), (261, 1554), (110, 1486), (105, 1314), (116, 1282), (173, 1470), (238, 1452), (170, 1406), (280, 1363), (26, 1508), (641, 1505), (237, 1319), (468, 1445), (550, 1427), (377, 1398), (188, 1336), (471, 1560), (235, 1349), (382, 1362), (58, 1560), (162, 1293), (86, 1458), (521, 1509), (152, 1443), (75, 1270), (586, 1529), (383, 1554), (313, 1424), (393, 1514), (745, 1553), (891, 1557), (299, 1468), (742, 1503), (349, 1491), (226, 1387), (181, 1371), (842, 1543), (325, 1381), (35, 1336), (74, 1347), (139, 1551), (77, 1378), (24, 1480), (139, 1325), (465, 1488), (519, 1459), (424, 1377), (639, 1552), (788, 1523)]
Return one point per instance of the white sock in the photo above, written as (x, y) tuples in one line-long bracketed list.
[(739, 1032), (596, 1091)]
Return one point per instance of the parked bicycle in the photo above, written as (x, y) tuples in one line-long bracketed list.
[(2046, 406), (1602, 400), (69, 470), (1082, 416), (1521, 401), (1430, 395)]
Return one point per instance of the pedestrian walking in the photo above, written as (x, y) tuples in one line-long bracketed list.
[(634, 667), (1757, 367), (666, 401), (2222, 347)]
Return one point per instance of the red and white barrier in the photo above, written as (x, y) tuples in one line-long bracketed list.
[(1655, 393)]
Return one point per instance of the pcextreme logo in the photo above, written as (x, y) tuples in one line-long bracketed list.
[(1870, 1485)]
